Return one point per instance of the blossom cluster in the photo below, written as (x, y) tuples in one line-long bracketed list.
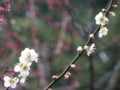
[(2, 9), (22, 68), (101, 20)]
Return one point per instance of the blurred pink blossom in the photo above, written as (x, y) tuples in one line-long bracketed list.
[(1, 19), (2, 9)]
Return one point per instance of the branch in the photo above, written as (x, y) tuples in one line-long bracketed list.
[(61, 40), (78, 55), (91, 73), (114, 77)]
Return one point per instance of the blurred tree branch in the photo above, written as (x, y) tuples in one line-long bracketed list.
[(114, 77)]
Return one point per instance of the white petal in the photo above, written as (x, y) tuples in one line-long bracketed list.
[(88, 53), (6, 84), (101, 14), (24, 52), (24, 73), (100, 35), (93, 45), (32, 51), (21, 59), (16, 80), (98, 22), (21, 75), (17, 68), (25, 61), (29, 63), (6, 78), (22, 80), (36, 60), (102, 23), (13, 85), (106, 20)]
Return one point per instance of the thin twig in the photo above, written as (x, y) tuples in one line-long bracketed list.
[(91, 73), (78, 55)]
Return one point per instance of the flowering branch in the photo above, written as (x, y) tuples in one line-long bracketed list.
[(101, 20), (22, 68)]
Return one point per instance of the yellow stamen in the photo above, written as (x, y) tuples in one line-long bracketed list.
[(11, 80), (101, 18), (25, 68)]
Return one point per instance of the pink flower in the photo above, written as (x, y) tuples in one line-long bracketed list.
[(8, 6), (1, 19), (2, 9)]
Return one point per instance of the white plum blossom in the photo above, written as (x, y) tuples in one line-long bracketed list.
[(25, 70), (25, 60), (103, 32), (101, 19), (22, 68), (10, 82), (28, 55), (18, 67), (22, 78), (90, 49)]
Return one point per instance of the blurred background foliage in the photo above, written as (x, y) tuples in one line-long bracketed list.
[(55, 28)]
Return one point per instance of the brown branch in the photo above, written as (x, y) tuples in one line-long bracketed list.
[(78, 55), (61, 40), (91, 73), (114, 77)]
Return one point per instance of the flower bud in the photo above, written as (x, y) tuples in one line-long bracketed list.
[(68, 73), (114, 6), (66, 76), (54, 77), (79, 49), (104, 10), (86, 47), (91, 36), (111, 13), (72, 65)]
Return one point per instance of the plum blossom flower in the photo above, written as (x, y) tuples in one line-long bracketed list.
[(20, 66), (90, 49), (25, 70), (101, 19), (28, 55), (10, 82), (22, 77), (103, 32), (25, 60)]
